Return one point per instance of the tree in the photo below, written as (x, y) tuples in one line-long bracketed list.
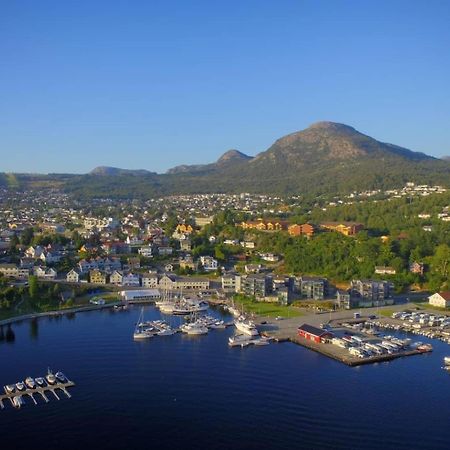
[(33, 287)]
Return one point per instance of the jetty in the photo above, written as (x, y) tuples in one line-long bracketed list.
[(38, 391)]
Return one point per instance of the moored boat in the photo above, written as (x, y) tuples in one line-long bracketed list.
[(20, 386), (246, 326), (10, 388), (61, 377), (50, 377), (18, 401), (447, 360), (30, 382), (40, 381)]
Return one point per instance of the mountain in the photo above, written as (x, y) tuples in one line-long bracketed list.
[(325, 158), (114, 171), (231, 157)]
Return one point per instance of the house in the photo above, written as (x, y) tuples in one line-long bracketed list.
[(417, 267), (231, 282), (345, 228), (23, 272), (26, 263), (188, 263), (258, 286), (134, 263), (385, 270), (150, 281), (317, 335), (146, 251), (34, 252), (265, 225), (116, 277), (270, 257), (371, 290), (165, 250), (440, 299), (9, 270), (131, 279), (231, 242), (248, 244), (253, 268), (203, 221), (209, 263), (72, 276), (184, 228), (168, 267), (97, 277), (305, 229), (185, 244), (49, 257), (312, 287), (45, 273)]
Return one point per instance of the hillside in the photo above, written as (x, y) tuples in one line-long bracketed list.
[(325, 158)]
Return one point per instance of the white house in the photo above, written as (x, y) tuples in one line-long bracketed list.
[(209, 263), (165, 251), (146, 251), (73, 276), (116, 277), (131, 279), (49, 258), (440, 299), (45, 273), (34, 252)]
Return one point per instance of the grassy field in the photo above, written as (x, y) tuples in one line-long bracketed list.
[(267, 309)]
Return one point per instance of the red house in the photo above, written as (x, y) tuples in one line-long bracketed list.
[(314, 334)]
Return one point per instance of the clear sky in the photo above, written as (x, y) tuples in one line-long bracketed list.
[(153, 84)]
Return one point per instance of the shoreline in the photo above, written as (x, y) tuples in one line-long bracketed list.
[(58, 312)]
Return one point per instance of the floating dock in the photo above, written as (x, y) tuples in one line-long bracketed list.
[(38, 390)]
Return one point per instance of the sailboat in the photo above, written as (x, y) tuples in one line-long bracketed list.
[(140, 332)]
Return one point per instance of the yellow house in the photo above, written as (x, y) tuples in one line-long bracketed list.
[(184, 228), (97, 277)]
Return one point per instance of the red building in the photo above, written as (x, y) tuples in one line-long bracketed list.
[(314, 334)]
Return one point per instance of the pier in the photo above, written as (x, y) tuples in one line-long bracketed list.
[(42, 391)]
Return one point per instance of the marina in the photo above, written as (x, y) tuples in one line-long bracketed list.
[(17, 392)]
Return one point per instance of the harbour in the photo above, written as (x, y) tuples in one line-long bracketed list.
[(130, 384)]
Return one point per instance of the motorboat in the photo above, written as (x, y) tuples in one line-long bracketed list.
[(30, 382), (40, 382), (10, 388), (20, 386), (18, 401), (61, 377), (166, 332), (261, 341), (447, 360), (239, 340), (194, 328), (246, 326), (50, 377)]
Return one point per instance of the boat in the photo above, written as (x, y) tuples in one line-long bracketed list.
[(166, 332), (40, 382), (10, 388), (246, 326), (20, 386), (51, 379), (18, 401), (195, 326), (30, 382), (261, 341), (141, 331), (61, 377), (188, 305), (239, 340), (447, 360)]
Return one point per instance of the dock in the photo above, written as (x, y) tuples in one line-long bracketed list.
[(41, 391)]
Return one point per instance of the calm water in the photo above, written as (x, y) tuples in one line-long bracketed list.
[(197, 393)]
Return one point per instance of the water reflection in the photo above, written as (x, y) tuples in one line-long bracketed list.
[(34, 329), (2, 334), (10, 336)]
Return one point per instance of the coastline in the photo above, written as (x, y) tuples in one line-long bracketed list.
[(59, 312)]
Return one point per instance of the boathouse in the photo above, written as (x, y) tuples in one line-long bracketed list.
[(314, 334)]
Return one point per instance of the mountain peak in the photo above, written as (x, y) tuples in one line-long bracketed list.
[(331, 126), (233, 155), (114, 171)]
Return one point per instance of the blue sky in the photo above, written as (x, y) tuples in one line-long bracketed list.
[(153, 84)]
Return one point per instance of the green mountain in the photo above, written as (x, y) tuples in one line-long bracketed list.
[(325, 158)]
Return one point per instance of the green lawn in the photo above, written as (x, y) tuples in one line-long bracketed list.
[(267, 309)]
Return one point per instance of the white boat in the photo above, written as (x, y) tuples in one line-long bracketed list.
[(40, 381), (10, 388), (447, 360), (30, 382), (18, 401), (194, 328), (141, 332), (20, 386), (51, 379), (61, 377), (241, 340), (166, 332), (246, 326), (261, 341)]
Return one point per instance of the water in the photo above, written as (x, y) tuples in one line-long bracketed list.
[(194, 392)]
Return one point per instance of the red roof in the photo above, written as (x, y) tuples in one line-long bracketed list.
[(445, 295)]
